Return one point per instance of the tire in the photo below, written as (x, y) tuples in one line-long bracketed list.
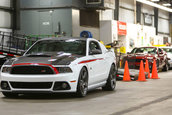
[(10, 95), (166, 66), (150, 68), (82, 86), (157, 65), (111, 81)]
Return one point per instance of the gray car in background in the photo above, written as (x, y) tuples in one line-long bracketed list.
[(169, 55)]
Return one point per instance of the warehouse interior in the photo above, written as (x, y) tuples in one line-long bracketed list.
[(120, 51)]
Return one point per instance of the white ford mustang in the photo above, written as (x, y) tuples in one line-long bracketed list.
[(60, 65)]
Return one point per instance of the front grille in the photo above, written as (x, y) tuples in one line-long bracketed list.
[(31, 85), (31, 70), (135, 60)]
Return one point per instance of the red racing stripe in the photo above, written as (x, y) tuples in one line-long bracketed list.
[(87, 61), (10, 54)]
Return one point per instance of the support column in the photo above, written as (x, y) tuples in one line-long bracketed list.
[(16, 15), (116, 11), (156, 19), (170, 25), (138, 12)]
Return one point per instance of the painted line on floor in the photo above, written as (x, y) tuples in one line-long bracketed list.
[(142, 105)]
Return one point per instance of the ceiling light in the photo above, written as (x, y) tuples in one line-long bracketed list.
[(155, 5), (166, 4), (51, 11)]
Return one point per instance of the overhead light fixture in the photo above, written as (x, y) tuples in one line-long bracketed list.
[(51, 11), (155, 5), (166, 4)]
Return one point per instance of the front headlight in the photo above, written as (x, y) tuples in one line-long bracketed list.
[(6, 69), (64, 69), (149, 57)]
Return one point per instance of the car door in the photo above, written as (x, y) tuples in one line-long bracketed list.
[(97, 66)]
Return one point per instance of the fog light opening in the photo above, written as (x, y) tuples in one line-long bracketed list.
[(64, 85), (61, 86), (5, 85)]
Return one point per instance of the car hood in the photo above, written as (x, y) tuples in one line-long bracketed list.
[(139, 55), (169, 55), (48, 58)]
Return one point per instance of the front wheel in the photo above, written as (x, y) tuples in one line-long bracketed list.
[(111, 81), (166, 67), (82, 86)]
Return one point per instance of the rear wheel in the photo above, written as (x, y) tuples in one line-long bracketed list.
[(157, 65), (10, 95), (82, 86), (111, 81), (166, 66)]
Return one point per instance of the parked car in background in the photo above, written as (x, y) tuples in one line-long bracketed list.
[(146, 53), (169, 55), (60, 65)]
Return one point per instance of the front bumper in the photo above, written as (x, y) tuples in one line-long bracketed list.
[(39, 83), (170, 62), (136, 65)]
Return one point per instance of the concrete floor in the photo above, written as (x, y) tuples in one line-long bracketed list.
[(153, 97)]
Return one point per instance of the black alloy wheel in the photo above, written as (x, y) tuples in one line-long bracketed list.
[(111, 81), (10, 95), (82, 86)]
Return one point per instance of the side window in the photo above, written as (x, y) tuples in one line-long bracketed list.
[(94, 48)]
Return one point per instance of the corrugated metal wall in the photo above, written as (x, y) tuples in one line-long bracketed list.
[(34, 22), (42, 17), (5, 15)]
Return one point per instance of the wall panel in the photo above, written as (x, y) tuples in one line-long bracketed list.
[(5, 19), (45, 22), (127, 3), (163, 22), (5, 3), (45, 3), (126, 15), (126, 11), (163, 26)]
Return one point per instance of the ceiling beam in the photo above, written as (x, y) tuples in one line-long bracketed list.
[(155, 5)]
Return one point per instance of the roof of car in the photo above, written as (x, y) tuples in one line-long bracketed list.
[(167, 47), (147, 47), (64, 38)]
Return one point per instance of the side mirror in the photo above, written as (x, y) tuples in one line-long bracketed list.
[(95, 51)]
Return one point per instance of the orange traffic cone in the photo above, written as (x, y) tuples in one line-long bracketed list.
[(141, 73), (154, 71), (126, 73), (147, 69)]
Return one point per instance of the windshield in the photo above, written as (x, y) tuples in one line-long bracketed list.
[(68, 46), (168, 50), (144, 50)]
